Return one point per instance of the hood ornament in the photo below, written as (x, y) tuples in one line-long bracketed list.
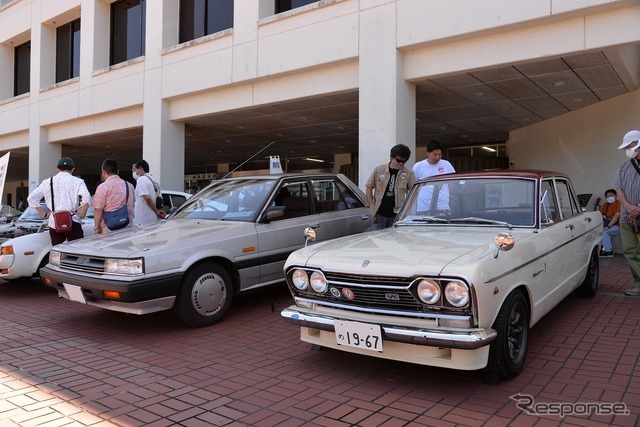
[(365, 263)]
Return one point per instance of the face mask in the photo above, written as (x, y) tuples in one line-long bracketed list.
[(611, 199), (630, 153), (135, 175)]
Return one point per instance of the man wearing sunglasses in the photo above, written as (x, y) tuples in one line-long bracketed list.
[(388, 186)]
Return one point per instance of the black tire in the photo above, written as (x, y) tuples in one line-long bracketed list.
[(44, 262), (508, 351), (205, 296), (589, 286)]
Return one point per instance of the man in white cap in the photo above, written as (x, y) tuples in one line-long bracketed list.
[(627, 184)]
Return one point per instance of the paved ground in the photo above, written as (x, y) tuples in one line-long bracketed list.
[(63, 364)]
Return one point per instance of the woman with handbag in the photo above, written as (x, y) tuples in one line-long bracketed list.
[(113, 201), (61, 193)]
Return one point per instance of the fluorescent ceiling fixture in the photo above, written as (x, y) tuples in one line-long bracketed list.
[(314, 160), (493, 150)]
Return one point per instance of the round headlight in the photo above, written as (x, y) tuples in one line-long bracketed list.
[(428, 291), (318, 282), (457, 294), (300, 279)]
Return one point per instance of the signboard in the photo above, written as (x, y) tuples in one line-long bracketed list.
[(274, 164), (4, 164)]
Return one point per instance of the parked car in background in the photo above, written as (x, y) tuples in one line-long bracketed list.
[(25, 247), (8, 214), (26, 243), (230, 237), (456, 283)]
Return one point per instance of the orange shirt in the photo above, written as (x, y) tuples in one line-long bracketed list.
[(610, 209)]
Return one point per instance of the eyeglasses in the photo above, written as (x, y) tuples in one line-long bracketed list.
[(400, 160)]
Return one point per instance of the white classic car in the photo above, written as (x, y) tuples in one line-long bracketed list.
[(232, 236), (26, 242), (458, 280)]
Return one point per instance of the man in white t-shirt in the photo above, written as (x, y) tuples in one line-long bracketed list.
[(145, 211), (433, 165)]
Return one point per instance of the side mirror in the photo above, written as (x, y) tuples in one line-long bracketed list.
[(309, 235), (274, 212), (504, 242)]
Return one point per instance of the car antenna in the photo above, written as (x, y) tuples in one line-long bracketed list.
[(240, 165)]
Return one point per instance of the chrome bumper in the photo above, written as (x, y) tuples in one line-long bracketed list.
[(469, 339)]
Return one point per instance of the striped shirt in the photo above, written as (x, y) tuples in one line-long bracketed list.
[(627, 179)]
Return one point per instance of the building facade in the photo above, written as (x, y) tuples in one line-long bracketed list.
[(203, 87)]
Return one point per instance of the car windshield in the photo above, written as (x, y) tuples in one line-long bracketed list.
[(30, 214), (481, 201), (233, 200)]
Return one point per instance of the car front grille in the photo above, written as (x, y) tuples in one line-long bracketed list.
[(80, 263), (373, 292)]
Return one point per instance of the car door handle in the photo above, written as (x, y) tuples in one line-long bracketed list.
[(365, 217), (570, 226), (588, 219)]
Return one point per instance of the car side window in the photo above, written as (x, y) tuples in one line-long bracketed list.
[(295, 197), (332, 195), (548, 206), (568, 205)]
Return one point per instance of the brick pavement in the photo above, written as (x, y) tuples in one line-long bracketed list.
[(65, 364)]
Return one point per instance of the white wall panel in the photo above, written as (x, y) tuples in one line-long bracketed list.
[(119, 93), (197, 73), (15, 119)]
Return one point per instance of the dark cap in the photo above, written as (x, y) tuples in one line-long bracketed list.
[(66, 162)]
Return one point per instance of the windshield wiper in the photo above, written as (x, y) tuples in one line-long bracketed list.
[(431, 219), (477, 220)]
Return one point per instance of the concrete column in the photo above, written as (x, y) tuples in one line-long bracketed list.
[(43, 156), (163, 140), (387, 102)]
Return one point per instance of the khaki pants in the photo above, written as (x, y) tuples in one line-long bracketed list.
[(631, 250)]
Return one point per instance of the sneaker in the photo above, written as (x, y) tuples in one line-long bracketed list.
[(634, 292), (606, 254)]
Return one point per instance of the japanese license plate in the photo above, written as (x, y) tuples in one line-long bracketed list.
[(75, 293), (361, 335)]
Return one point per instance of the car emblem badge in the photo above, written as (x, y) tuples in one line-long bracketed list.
[(335, 292), (392, 297), (82, 260), (365, 263), (348, 293)]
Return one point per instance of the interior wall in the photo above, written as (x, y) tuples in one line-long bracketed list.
[(583, 143)]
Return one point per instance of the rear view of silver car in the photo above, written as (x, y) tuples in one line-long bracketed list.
[(232, 236)]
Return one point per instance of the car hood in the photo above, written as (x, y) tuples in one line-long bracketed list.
[(405, 250), (137, 241)]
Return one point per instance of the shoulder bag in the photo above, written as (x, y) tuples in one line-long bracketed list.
[(62, 222), (159, 199), (115, 220)]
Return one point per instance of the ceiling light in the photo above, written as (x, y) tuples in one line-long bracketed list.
[(526, 119), (493, 150), (479, 94), (505, 108), (464, 136), (313, 160), (559, 83), (578, 99), (442, 127)]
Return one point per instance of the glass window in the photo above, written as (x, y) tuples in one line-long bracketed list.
[(332, 195), (127, 30), (68, 51), (284, 5), (22, 70), (199, 18), (548, 206), (568, 204)]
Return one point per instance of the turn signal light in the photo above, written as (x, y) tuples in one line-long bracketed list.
[(111, 294), (7, 250)]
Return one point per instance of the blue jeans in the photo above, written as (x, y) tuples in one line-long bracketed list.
[(380, 222), (607, 235)]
